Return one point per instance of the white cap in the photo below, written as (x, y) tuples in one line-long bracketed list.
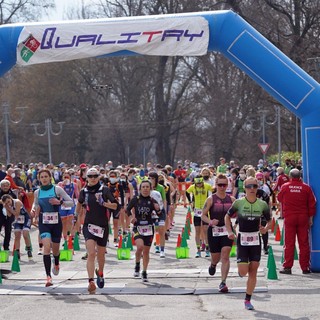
[(93, 171)]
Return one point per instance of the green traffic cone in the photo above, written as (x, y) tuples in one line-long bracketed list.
[(76, 245), (129, 241), (184, 243), (295, 253), (185, 231), (15, 262), (282, 257), (272, 270), (0, 277), (65, 245), (269, 256), (282, 237), (110, 229), (125, 242), (276, 226)]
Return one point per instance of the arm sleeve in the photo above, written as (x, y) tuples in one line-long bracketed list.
[(68, 202), (131, 205), (35, 200), (232, 212)]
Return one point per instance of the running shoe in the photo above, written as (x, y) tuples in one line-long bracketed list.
[(212, 270), (115, 243), (136, 273), (100, 279), (85, 257), (55, 268), (92, 287), (29, 253), (198, 254), (144, 276), (162, 254), (49, 281), (207, 254), (248, 305), (157, 250), (40, 252), (307, 271), (223, 287)]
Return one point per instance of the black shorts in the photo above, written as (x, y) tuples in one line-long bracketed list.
[(52, 231), (246, 254), (147, 240), (102, 242), (217, 243), (197, 221), (115, 214)]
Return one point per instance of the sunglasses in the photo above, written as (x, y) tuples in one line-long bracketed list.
[(94, 176), (251, 186), (222, 185)]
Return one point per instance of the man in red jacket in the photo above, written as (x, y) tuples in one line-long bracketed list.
[(299, 207)]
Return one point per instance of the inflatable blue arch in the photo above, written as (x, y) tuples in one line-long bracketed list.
[(182, 34)]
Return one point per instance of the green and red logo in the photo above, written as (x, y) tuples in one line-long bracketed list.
[(30, 46)]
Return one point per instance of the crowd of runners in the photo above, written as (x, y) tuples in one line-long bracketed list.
[(67, 199)]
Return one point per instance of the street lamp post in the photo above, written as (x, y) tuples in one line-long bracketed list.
[(49, 131), (251, 125), (6, 119)]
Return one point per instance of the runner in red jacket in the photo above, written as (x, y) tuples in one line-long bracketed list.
[(299, 207)]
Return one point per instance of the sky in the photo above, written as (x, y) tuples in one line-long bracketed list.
[(62, 6)]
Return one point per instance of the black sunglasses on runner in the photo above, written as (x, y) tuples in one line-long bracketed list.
[(221, 184), (251, 186), (94, 176)]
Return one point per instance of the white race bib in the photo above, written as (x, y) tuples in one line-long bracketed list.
[(20, 219), (145, 230), (96, 230), (219, 231), (197, 212), (50, 217), (249, 238)]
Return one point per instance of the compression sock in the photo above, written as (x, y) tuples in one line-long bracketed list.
[(47, 264)]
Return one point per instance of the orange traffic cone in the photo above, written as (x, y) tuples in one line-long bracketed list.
[(157, 239), (120, 242), (70, 245), (132, 239), (179, 241), (278, 234)]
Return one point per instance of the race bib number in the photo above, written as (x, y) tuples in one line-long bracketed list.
[(249, 238), (197, 212), (96, 230), (20, 219), (219, 231), (145, 230), (50, 217)]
